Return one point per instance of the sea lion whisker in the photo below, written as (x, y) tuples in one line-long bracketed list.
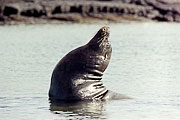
[(102, 37), (102, 41)]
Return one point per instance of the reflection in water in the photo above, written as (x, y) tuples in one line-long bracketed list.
[(87, 109)]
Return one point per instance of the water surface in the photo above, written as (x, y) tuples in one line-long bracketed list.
[(145, 65)]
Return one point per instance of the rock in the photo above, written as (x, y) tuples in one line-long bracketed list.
[(167, 9), (57, 10), (1, 18), (33, 11), (177, 18), (159, 10), (169, 16), (10, 10), (68, 17)]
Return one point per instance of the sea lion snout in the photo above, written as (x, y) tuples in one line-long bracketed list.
[(104, 31), (100, 40)]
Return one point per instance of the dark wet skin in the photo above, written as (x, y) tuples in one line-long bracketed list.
[(78, 75)]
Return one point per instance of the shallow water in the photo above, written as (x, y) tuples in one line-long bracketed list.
[(145, 65)]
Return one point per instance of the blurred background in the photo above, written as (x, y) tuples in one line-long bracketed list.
[(56, 11)]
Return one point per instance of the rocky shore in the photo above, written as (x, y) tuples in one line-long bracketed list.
[(43, 11)]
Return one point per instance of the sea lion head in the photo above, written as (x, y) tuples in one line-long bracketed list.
[(100, 40)]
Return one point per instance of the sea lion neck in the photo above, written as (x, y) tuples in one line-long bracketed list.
[(100, 38)]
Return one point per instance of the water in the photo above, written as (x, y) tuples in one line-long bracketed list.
[(145, 65)]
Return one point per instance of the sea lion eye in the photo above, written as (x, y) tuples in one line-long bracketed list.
[(103, 29)]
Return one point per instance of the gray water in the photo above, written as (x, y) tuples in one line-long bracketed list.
[(145, 65)]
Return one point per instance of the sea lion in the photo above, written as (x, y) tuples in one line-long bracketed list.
[(78, 74)]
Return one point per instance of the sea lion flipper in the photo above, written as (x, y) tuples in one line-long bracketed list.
[(110, 95)]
